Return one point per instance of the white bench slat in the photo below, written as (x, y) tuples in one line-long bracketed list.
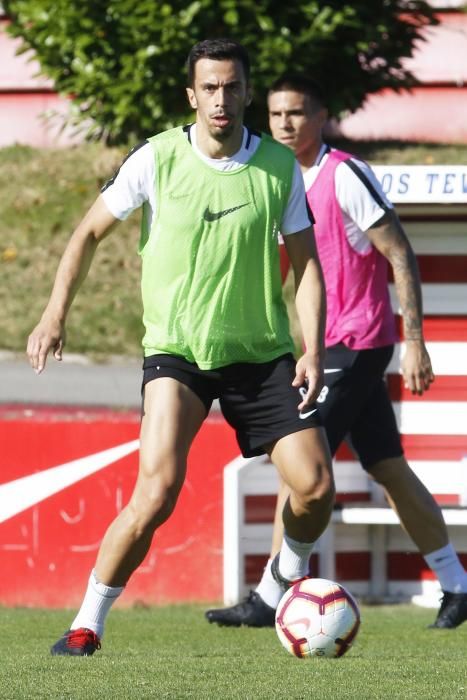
[(438, 298), (447, 358), (354, 515)]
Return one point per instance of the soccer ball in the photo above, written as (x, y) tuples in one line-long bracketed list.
[(317, 617)]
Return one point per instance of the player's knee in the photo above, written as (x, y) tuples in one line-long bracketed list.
[(151, 512), (161, 504), (153, 502), (318, 486)]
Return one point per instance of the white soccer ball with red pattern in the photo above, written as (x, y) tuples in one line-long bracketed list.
[(317, 617)]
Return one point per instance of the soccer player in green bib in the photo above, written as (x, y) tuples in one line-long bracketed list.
[(215, 196)]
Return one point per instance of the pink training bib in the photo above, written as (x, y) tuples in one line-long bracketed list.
[(359, 309)]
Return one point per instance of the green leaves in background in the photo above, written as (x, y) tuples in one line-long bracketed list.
[(123, 60)]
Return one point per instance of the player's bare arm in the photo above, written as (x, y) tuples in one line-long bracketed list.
[(49, 334), (388, 236), (310, 301)]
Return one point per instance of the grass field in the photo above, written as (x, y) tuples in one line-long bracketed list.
[(172, 652)]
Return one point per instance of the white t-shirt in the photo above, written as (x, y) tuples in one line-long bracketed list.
[(359, 208), (133, 184)]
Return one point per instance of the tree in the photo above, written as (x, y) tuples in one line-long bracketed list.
[(123, 60)]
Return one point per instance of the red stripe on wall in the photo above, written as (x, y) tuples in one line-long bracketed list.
[(442, 328), (260, 509), (424, 447), (444, 388), (448, 269), (435, 447), (353, 566), (440, 269), (55, 414), (447, 499), (410, 566)]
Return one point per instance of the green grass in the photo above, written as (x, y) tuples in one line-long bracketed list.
[(44, 195), (171, 652)]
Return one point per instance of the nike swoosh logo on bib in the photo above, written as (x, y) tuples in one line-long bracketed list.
[(215, 215)]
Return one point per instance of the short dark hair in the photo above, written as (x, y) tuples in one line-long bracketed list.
[(217, 50), (300, 83)]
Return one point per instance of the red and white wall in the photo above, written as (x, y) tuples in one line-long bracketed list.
[(31, 112), (432, 204), (434, 111)]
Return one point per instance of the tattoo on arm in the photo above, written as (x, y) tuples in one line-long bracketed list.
[(390, 239)]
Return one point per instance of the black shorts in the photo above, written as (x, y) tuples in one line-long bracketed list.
[(257, 400), (355, 404)]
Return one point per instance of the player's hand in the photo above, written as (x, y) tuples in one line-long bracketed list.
[(47, 336), (309, 373), (416, 367)]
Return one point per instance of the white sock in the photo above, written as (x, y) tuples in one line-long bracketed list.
[(95, 606), (294, 558), (268, 588), (446, 565)]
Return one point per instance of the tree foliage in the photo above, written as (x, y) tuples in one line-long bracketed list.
[(123, 60)]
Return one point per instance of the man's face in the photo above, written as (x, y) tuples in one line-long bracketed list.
[(219, 95), (295, 121)]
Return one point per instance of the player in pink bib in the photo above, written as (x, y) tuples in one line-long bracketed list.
[(359, 312), (358, 236)]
